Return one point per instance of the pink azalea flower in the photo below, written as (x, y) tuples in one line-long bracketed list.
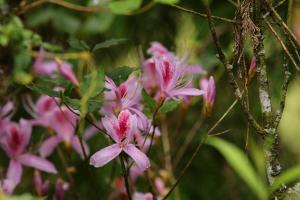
[(121, 130), (208, 85), (14, 142), (52, 66), (125, 96), (171, 76), (157, 49), (63, 122), (164, 76)]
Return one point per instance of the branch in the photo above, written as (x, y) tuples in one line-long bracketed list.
[(89, 9), (282, 45), (286, 81), (201, 14), (281, 22), (231, 77)]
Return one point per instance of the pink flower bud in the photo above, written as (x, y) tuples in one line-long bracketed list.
[(252, 68), (60, 188), (208, 85), (41, 187)]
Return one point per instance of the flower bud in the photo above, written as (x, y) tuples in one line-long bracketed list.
[(209, 87), (41, 187), (252, 69)]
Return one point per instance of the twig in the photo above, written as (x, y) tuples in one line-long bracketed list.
[(231, 77), (281, 22), (186, 166), (201, 14), (219, 133), (89, 9), (188, 139), (198, 148), (143, 9), (282, 45), (286, 81), (167, 155)]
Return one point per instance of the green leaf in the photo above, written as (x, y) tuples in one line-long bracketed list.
[(149, 101), (43, 90), (167, 1), (169, 106), (109, 43), (120, 74), (124, 6), (78, 44), (240, 163), (286, 177)]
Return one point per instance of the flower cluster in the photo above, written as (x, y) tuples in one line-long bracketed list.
[(165, 77)]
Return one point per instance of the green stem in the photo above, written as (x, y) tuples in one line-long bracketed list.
[(125, 175)]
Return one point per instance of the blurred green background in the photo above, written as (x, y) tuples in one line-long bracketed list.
[(210, 176)]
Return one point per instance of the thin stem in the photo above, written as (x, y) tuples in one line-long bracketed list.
[(89, 9), (167, 155), (198, 148), (282, 44), (125, 175), (201, 14), (231, 78), (186, 166), (188, 139), (161, 102), (281, 22), (143, 9)]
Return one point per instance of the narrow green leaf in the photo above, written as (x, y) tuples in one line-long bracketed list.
[(169, 106), (43, 90), (120, 74), (167, 1), (109, 43), (124, 6), (78, 44), (240, 163), (286, 177)]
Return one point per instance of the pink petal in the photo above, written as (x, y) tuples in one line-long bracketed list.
[(49, 145), (105, 155), (187, 92), (6, 109), (8, 186), (77, 147), (109, 124), (195, 69), (141, 160), (142, 196), (14, 171), (92, 131), (37, 163), (110, 84), (26, 128), (47, 68), (67, 72), (63, 121), (45, 104)]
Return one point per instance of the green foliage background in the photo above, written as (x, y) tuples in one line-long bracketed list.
[(59, 29)]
